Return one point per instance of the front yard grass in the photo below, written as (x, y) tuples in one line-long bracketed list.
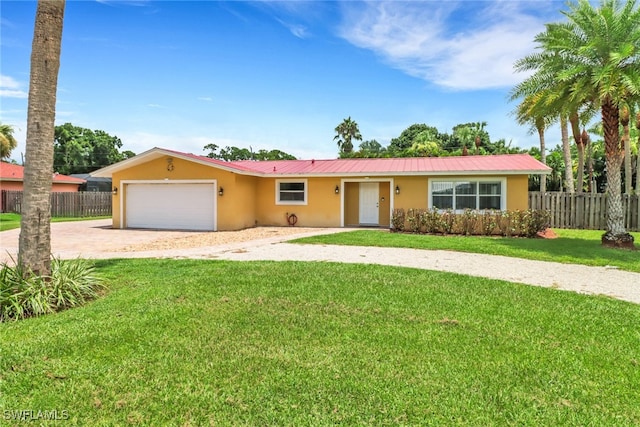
[(9, 221), (571, 247), (193, 342)]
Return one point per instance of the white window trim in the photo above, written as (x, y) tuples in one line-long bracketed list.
[(501, 180), (292, 202)]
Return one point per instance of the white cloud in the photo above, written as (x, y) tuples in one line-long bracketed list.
[(297, 30), (11, 88), (446, 43), (205, 98), (9, 93)]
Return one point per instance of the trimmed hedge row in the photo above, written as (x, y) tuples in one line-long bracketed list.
[(518, 223)]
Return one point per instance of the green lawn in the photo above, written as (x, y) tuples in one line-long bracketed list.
[(186, 342), (9, 221), (571, 246)]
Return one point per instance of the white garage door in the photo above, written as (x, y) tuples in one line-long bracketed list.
[(171, 206)]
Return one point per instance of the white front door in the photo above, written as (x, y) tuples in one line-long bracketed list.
[(369, 203)]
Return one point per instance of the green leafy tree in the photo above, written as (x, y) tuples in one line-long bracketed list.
[(370, 149), (408, 137), (594, 60), (80, 150), (34, 247), (273, 155), (229, 154), (7, 141), (346, 132), (528, 112)]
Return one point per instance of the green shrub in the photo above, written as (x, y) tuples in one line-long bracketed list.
[(397, 219), (516, 223), (71, 284)]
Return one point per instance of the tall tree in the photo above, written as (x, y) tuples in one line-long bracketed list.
[(594, 59), (346, 132), (7, 141), (34, 248), (638, 154), (625, 118), (566, 154), (80, 150), (528, 112)]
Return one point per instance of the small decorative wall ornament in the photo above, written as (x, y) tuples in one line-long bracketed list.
[(170, 164), (221, 192), (397, 190), (337, 190)]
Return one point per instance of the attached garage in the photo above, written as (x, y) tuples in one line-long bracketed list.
[(171, 205)]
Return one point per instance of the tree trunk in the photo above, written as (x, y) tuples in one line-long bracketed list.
[(574, 119), (626, 139), (580, 178), (543, 159), (616, 234), (566, 151), (34, 252)]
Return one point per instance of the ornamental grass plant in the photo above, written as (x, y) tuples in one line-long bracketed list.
[(72, 283)]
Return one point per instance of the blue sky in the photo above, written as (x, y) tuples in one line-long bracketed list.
[(276, 74)]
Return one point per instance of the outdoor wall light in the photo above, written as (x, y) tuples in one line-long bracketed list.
[(220, 191), (397, 190), (337, 189), (115, 191)]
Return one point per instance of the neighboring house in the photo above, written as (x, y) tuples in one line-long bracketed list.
[(167, 189), (93, 183), (12, 176)]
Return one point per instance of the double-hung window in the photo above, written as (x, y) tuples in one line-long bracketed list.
[(291, 192), (468, 194)]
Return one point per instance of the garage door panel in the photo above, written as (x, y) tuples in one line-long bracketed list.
[(172, 206)]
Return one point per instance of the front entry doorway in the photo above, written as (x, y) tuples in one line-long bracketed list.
[(369, 207)]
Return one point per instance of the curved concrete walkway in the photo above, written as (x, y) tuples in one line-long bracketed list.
[(96, 240)]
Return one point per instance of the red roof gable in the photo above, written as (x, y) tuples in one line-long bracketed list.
[(11, 172)]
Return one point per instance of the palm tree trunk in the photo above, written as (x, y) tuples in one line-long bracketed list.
[(566, 151), (616, 234), (626, 138), (34, 252), (543, 159), (580, 179)]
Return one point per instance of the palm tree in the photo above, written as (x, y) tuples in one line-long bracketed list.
[(638, 155), (594, 60), (566, 154), (527, 112), (345, 132), (7, 141), (625, 118), (34, 251)]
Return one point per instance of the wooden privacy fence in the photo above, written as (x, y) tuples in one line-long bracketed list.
[(584, 210), (65, 204)]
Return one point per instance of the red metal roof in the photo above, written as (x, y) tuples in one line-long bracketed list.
[(11, 172), (506, 163)]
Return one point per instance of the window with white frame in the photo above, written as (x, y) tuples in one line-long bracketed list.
[(468, 194), (291, 192)]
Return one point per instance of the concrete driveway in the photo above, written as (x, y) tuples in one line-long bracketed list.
[(97, 239)]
